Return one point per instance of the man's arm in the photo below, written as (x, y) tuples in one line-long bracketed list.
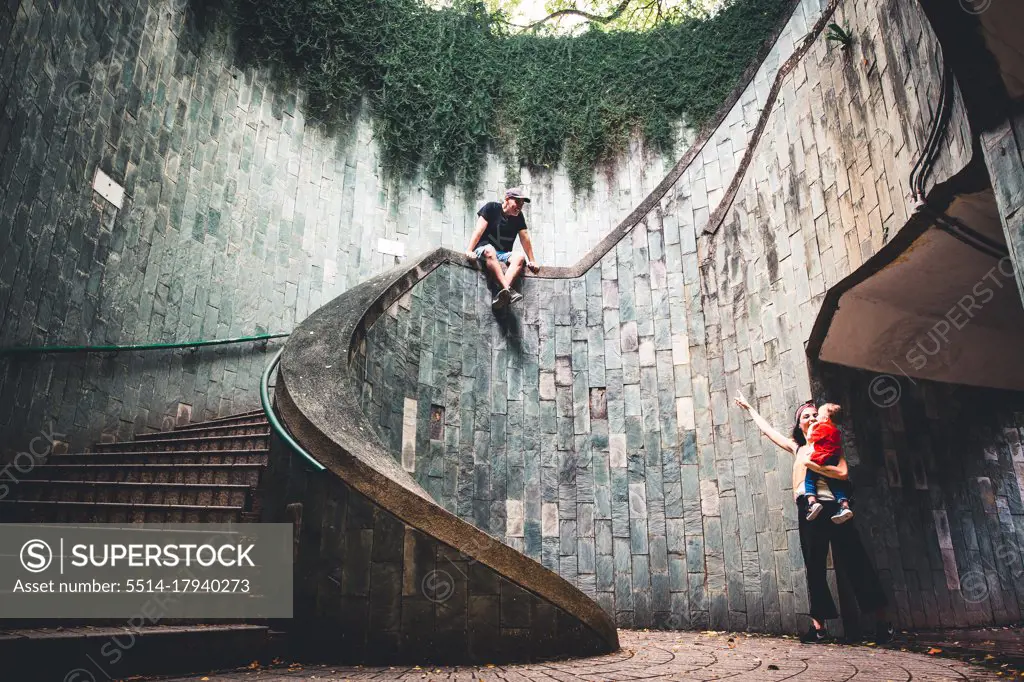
[(481, 227), (524, 237)]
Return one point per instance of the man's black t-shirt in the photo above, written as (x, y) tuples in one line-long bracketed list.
[(501, 229)]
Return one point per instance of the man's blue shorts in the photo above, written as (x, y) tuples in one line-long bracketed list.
[(503, 256)]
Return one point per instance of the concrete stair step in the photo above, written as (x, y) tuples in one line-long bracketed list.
[(240, 473), (238, 442), (244, 418), (254, 456), (61, 653), (260, 428), (234, 422), (203, 472), (204, 494), (60, 511)]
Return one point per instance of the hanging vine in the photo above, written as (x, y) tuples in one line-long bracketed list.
[(446, 86)]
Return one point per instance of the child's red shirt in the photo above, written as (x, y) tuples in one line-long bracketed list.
[(825, 438)]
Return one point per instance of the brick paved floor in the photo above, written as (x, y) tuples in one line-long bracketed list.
[(672, 656), (1003, 643)]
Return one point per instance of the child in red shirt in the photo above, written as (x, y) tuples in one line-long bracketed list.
[(828, 448)]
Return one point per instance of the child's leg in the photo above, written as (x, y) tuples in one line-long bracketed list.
[(811, 486), (840, 490), (811, 492)]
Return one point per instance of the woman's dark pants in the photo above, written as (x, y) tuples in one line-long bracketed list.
[(848, 554)]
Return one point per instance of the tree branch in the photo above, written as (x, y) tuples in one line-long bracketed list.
[(579, 13)]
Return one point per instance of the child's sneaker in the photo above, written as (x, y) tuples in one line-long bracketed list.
[(843, 515), (814, 510)]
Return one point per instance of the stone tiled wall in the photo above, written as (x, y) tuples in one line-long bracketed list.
[(372, 589), (239, 215), (589, 462), (593, 428), (1004, 155), (800, 226)]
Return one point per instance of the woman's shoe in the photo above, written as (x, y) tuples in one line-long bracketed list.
[(814, 635), (884, 632)]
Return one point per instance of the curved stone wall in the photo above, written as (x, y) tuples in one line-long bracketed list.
[(530, 613), (592, 427), (239, 216)]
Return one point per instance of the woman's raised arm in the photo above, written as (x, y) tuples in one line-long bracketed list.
[(787, 444)]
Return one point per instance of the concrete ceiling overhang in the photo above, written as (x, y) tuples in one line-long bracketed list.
[(1002, 27), (940, 310)]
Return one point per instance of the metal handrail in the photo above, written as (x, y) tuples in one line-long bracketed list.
[(268, 408), (26, 350), (275, 423)]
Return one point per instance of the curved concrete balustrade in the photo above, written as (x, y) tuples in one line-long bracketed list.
[(317, 398)]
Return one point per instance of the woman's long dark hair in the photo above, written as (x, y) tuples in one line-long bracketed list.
[(798, 433)]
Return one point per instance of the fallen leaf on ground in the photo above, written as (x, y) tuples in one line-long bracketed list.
[(934, 651)]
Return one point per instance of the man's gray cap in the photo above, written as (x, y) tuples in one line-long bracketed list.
[(516, 193)]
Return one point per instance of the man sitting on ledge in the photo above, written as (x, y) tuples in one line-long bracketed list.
[(492, 243)]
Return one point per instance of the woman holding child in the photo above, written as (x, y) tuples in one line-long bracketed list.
[(819, 479)]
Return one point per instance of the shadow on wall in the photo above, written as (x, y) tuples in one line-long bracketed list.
[(206, 27)]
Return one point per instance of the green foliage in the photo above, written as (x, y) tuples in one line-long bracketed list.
[(445, 86), (837, 33)]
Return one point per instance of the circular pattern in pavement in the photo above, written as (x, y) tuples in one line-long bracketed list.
[(675, 656)]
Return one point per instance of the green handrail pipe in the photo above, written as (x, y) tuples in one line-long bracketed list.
[(275, 423), (268, 408), (40, 350)]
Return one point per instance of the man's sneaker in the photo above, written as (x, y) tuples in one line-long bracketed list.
[(884, 632), (843, 515), (813, 511), (814, 635), (515, 296), (501, 300)]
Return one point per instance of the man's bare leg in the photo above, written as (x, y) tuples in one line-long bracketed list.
[(494, 267), (516, 262)]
